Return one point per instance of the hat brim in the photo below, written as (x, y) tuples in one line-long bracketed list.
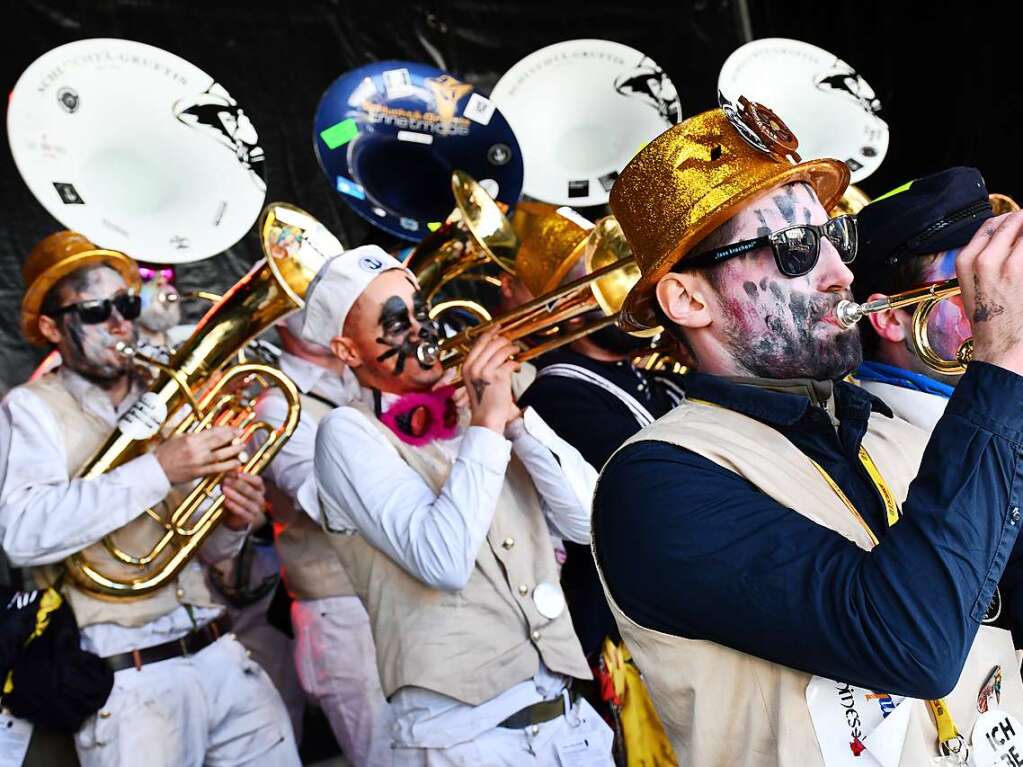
[(32, 303), (829, 179), (952, 237)]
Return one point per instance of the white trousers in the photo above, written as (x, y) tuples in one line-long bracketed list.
[(337, 666), (215, 708), (577, 739)]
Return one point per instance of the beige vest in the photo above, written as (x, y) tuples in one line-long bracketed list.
[(475, 643), (723, 707), (83, 433), (309, 565)]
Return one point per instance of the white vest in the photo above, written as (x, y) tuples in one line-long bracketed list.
[(83, 434), (475, 643), (724, 707), (309, 565)]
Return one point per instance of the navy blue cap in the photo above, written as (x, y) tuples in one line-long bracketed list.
[(929, 215)]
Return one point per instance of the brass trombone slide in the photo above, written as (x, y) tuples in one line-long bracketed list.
[(564, 303), (926, 298)]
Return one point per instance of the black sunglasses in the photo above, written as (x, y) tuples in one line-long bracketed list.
[(796, 248), (128, 305)]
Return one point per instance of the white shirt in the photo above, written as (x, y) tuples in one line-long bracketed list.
[(364, 486), (920, 408), (293, 465), (45, 515)]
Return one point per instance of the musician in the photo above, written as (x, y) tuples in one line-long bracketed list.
[(910, 239), (751, 589), (334, 653), (443, 519), (185, 691)]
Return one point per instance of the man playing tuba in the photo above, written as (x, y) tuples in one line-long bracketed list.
[(185, 692), (808, 576)]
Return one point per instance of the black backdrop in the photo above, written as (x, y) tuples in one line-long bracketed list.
[(945, 74)]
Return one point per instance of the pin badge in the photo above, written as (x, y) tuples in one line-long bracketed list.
[(992, 687), (549, 600)]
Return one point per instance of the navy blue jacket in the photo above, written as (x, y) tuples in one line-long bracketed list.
[(692, 549)]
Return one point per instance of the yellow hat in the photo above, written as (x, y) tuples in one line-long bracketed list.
[(57, 256), (550, 244), (694, 177)]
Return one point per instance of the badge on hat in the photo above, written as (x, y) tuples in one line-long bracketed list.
[(761, 128)]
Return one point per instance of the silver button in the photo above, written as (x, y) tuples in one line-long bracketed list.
[(536, 636), (535, 729), (1014, 515), (180, 593), (508, 543), (104, 714), (523, 589)]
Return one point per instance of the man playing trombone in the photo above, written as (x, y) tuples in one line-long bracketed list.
[(185, 692), (443, 519), (790, 596)]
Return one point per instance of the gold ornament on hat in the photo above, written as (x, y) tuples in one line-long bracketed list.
[(697, 175)]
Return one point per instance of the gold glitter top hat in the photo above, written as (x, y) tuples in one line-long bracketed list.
[(551, 244), (57, 256), (694, 177)]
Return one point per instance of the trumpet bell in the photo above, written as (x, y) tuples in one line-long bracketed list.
[(476, 233), (1002, 203)]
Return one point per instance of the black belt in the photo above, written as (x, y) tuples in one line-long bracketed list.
[(189, 644), (541, 712)]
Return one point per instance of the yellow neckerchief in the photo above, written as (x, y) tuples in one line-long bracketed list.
[(948, 734)]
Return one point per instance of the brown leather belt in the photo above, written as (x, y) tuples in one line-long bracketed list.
[(189, 644), (541, 712)]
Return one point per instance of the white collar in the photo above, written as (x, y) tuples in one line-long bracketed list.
[(312, 378), (95, 400)]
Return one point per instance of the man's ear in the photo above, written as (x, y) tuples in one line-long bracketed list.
[(889, 325), (344, 349), (48, 327), (682, 299)]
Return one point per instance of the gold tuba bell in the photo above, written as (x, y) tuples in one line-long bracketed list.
[(199, 388)]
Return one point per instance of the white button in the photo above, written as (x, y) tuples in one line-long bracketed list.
[(535, 729), (536, 636), (523, 589)]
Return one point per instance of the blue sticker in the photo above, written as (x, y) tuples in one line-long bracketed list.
[(345, 186)]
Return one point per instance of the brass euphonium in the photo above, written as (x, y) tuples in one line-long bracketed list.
[(199, 388), (610, 272), (848, 313)]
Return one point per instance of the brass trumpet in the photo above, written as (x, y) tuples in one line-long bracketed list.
[(610, 274), (200, 384), (848, 313)]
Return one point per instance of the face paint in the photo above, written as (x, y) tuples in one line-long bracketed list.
[(948, 326), (89, 350), (775, 326), (397, 331)]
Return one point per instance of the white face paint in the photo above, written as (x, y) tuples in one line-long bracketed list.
[(90, 350)]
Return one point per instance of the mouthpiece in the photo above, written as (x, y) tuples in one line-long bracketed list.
[(848, 313), (428, 353)]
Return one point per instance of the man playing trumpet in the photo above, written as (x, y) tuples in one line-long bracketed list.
[(784, 570), (185, 692), (444, 519)]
